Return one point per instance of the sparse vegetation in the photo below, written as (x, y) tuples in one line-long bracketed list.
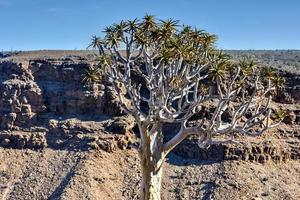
[(5, 54), (288, 60), (92, 75)]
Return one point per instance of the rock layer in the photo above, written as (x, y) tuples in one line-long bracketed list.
[(32, 92)]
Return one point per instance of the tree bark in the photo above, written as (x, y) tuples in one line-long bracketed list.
[(152, 158), (151, 182)]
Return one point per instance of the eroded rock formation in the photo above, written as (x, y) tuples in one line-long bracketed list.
[(30, 91), (35, 91)]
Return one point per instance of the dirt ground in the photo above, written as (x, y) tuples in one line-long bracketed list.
[(96, 175)]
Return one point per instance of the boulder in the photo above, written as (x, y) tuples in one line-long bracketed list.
[(122, 125), (21, 140), (290, 118)]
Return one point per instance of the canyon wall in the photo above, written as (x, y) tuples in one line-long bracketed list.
[(35, 91), (31, 91)]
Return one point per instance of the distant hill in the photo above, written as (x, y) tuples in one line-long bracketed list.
[(283, 59), (288, 60)]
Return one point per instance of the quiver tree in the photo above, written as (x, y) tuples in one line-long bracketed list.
[(97, 43), (180, 71)]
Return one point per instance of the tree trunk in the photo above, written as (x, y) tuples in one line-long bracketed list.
[(151, 182), (152, 158)]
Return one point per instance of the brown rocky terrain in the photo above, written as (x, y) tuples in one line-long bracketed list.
[(62, 140)]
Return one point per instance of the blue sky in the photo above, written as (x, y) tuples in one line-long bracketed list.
[(68, 24)]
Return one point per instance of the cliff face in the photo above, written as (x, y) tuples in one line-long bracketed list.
[(32, 90), (63, 90), (292, 85), (21, 97)]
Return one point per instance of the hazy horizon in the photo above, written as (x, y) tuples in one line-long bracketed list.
[(32, 50)]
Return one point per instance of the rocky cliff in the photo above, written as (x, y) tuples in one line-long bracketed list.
[(32, 91), (36, 91)]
